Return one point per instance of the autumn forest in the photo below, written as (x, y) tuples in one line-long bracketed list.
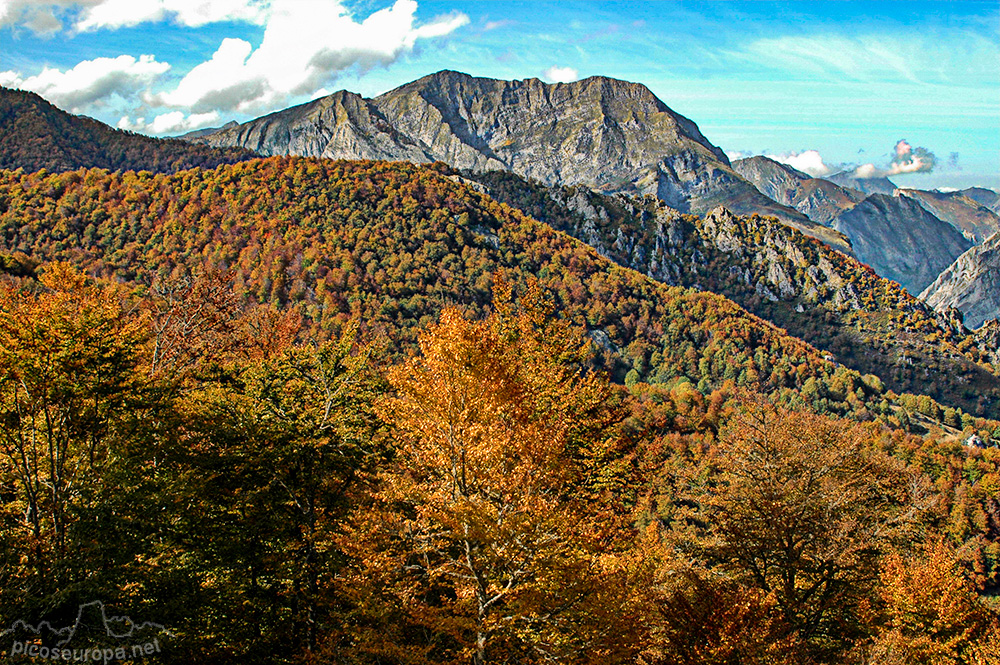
[(310, 411)]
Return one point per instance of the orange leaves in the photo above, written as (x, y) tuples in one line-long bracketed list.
[(69, 388), (932, 612), (497, 559)]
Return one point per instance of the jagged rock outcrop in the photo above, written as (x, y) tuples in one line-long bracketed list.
[(973, 219), (971, 284), (820, 200), (901, 240), (606, 134), (988, 340)]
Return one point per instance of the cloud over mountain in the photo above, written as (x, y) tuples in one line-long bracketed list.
[(907, 159), (91, 81), (306, 45), (807, 161), (556, 74)]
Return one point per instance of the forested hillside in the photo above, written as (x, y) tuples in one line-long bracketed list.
[(36, 135), (390, 245), (868, 323), (296, 410)]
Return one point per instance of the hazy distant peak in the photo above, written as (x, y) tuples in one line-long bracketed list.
[(762, 163)]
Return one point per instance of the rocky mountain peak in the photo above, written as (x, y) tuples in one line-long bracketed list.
[(599, 132), (767, 167), (897, 237)]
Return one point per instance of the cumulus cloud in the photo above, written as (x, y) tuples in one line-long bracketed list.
[(906, 159), (733, 155), (911, 160), (807, 161), (38, 16), (91, 81), (173, 122), (868, 171), (306, 44), (560, 74)]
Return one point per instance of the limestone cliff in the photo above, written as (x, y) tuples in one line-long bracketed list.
[(971, 284)]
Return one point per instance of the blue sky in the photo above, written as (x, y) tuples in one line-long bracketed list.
[(820, 84)]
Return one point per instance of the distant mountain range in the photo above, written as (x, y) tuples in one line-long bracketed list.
[(975, 220), (610, 136), (906, 235), (606, 134), (971, 284)]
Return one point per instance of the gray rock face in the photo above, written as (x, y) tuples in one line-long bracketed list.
[(598, 131), (606, 134), (341, 126), (901, 240), (866, 185), (971, 284), (974, 220), (820, 200)]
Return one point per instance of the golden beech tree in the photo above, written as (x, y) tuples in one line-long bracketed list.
[(70, 386), (932, 613), (484, 542)]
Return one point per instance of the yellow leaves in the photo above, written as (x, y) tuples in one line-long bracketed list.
[(465, 411), (63, 276), (933, 614)]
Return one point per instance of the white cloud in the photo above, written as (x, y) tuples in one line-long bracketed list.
[(173, 122), (557, 74), (190, 13), (807, 161), (91, 81), (866, 171), (39, 17), (306, 44), (734, 155)]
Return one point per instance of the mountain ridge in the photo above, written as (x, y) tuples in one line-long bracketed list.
[(35, 134), (604, 133)]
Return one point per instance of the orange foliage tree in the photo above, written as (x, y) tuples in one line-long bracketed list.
[(71, 390), (932, 613), (483, 547)]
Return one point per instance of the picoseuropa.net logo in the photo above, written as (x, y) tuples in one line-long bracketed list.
[(92, 637)]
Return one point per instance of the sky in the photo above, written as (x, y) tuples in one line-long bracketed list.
[(907, 89)]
